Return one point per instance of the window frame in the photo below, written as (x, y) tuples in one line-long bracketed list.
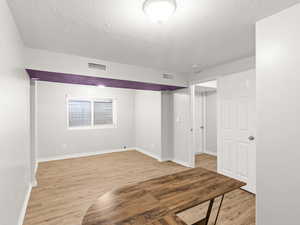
[(92, 125)]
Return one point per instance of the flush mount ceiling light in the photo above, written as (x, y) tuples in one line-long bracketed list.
[(159, 10)]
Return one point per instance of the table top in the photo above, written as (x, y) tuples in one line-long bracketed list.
[(156, 201)]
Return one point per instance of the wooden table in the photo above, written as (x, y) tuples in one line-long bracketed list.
[(157, 201)]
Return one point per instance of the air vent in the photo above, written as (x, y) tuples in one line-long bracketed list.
[(97, 66), (168, 76)]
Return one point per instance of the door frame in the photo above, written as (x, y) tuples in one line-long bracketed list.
[(33, 132), (201, 106), (204, 122), (194, 125), (192, 149)]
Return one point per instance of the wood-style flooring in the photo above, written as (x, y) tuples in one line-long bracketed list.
[(68, 187)]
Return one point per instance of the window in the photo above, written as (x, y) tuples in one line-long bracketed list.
[(79, 113), (91, 113), (103, 112)]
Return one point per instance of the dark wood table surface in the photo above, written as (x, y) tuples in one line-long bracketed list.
[(156, 201)]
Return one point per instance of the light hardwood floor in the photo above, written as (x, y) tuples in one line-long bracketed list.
[(68, 187), (206, 161)]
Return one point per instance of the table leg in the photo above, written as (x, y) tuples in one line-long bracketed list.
[(216, 220), (206, 219), (208, 213), (211, 203)]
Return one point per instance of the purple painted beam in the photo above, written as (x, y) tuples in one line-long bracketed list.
[(95, 81)]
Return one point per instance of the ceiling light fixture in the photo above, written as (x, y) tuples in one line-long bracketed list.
[(159, 10)]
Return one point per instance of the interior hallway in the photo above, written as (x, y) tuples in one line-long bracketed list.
[(68, 187)]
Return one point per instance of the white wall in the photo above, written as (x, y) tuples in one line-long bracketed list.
[(55, 140), (211, 122), (14, 120), (278, 105), (64, 63), (139, 122), (148, 124), (236, 66)]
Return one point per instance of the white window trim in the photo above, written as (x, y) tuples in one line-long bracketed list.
[(92, 126)]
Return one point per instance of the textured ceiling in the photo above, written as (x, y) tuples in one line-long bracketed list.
[(201, 32)]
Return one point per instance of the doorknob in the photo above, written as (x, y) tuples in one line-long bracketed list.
[(251, 138)]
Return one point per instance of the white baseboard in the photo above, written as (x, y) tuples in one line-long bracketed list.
[(210, 153), (250, 188), (181, 163), (211, 150), (145, 152), (34, 183), (24, 207), (36, 167), (78, 155), (166, 159), (207, 152), (34, 180)]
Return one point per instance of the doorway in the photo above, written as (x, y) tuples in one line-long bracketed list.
[(206, 124)]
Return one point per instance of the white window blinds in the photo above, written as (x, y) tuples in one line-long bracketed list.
[(103, 112), (79, 113)]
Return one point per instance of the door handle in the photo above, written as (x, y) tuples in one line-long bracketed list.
[(251, 138), (202, 127)]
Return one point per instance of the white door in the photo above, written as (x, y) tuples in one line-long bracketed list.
[(183, 135), (236, 127)]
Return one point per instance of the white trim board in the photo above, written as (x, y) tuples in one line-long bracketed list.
[(210, 153), (78, 155), (204, 122), (36, 167), (33, 179), (207, 153), (145, 152), (182, 163), (24, 206), (166, 159), (34, 183)]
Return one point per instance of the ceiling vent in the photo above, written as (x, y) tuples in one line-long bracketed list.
[(97, 66), (168, 76)]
